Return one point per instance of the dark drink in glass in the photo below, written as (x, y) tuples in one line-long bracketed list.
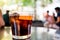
[(21, 26)]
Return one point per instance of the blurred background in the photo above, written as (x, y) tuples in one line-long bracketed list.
[(36, 7)]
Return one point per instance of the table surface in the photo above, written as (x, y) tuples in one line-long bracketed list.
[(37, 33)]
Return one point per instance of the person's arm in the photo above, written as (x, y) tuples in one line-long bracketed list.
[(58, 19), (2, 23)]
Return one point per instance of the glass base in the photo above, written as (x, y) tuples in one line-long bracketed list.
[(21, 37)]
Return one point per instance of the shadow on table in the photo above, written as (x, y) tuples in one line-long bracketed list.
[(38, 23)]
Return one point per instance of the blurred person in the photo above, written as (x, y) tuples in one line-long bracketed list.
[(57, 9), (6, 18), (50, 22), (57, 33), (2, 23)]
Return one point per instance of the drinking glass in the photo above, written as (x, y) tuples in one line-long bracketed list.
[(21, 25)]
